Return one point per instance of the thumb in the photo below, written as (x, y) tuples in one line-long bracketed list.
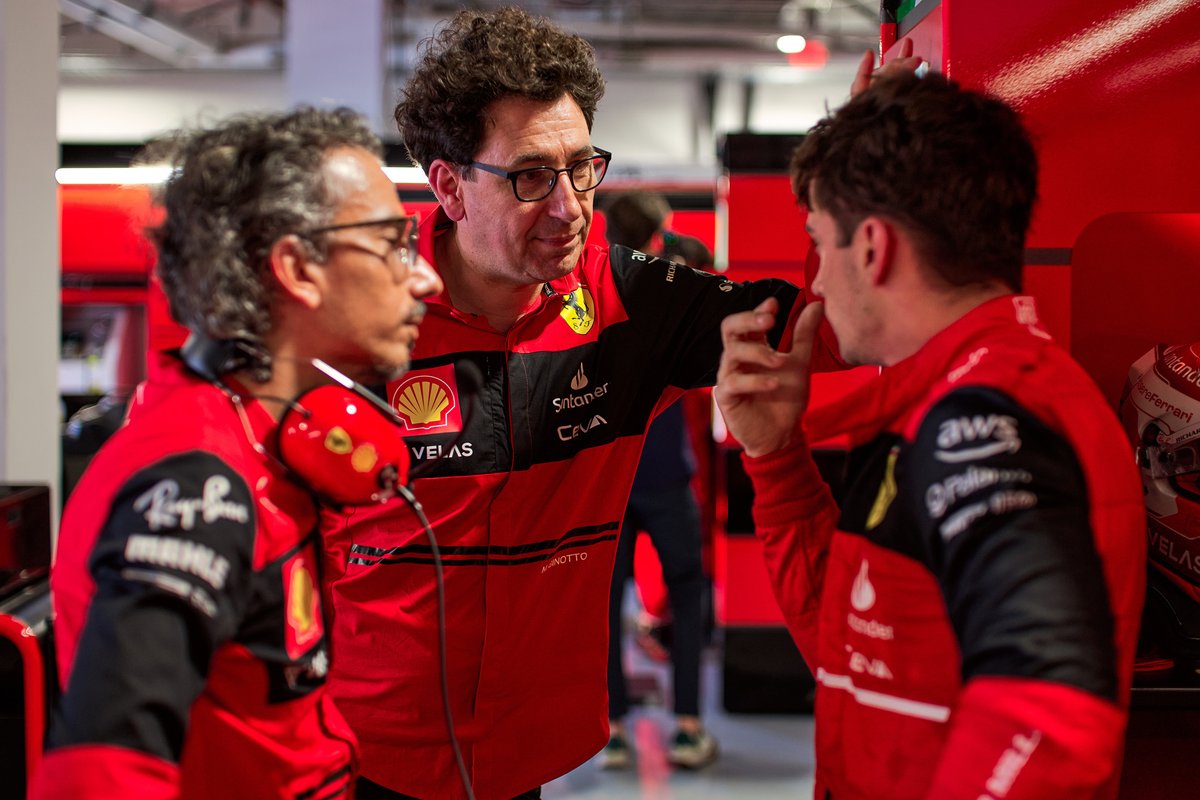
[(805, 331)]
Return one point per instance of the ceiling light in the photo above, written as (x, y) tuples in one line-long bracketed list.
[(791, 43), (116, 176)]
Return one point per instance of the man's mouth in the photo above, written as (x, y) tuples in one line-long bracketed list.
[(560, 241)]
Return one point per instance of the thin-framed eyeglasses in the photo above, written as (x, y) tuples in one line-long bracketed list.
[(536, 183), (403, 247)]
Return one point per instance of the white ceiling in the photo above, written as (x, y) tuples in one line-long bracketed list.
[(684, 36)]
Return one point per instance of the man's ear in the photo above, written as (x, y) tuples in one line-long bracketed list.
[(446, 182), (298, 276), (877, 247)]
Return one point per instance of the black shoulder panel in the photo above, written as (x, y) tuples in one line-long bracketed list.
[(1001, 507)]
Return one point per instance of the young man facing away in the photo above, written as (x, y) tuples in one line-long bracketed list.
[(969, 605)]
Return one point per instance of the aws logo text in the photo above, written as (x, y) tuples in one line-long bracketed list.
[(985, 436)]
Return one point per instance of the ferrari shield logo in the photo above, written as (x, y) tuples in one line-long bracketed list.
[(579, 310), (887, 492), (303, 604)]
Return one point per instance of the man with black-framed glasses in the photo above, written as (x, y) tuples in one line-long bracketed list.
[(525, 478), (536, 183)]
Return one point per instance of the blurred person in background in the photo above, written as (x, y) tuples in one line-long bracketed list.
[(663, 504)]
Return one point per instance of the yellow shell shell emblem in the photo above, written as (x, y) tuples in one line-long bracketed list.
[(887, 491), (423, 402), (579, 310), (338, 441)]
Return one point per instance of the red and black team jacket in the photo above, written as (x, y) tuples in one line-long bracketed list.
[(525, 482), (189, 616), (969, 601)]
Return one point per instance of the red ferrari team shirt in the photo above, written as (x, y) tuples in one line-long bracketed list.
[(969, 602), (525, 482)]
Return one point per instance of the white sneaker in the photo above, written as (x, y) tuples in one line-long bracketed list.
[(692, 750), (616, 754)]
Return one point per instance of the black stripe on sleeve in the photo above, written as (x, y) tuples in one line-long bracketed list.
[(677, 313), (170, 568)]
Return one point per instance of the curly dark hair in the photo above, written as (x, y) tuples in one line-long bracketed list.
[(235, 190), (480, 57), (954, 167)]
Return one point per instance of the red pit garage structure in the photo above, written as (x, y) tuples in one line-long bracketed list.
[(27, 675), (1107, 86)]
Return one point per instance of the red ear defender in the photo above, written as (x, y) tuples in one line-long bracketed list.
[(343, 447)]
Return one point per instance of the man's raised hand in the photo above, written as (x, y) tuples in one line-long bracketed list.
[(762, 392)]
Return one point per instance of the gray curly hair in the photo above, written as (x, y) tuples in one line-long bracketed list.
[(235, 189)]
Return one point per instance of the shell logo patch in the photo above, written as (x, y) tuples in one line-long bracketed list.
[(579, 310), (427, 401), (303, 604), (424, 402)]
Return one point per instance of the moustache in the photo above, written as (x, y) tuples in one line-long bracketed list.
[(417, 315)]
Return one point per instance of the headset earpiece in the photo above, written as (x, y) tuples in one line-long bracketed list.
[(343, 447), (211, 358)]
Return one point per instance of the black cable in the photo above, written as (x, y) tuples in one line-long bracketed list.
[(471, 380), (444, 670)]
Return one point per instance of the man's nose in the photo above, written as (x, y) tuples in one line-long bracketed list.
[(818, 282), (425, 281), (564, 200)]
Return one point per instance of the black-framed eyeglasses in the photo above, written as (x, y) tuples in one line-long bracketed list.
[(536, 183), (404, 246)]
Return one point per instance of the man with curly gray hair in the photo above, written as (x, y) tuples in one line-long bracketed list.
[(189, 617), (239, 191)]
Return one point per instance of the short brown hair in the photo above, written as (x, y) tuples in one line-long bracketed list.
[(954, 167), (481, 57), (632, 218)]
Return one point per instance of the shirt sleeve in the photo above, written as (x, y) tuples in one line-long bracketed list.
[(678, 312), (171, 570), (1002, 503), (795, 516)]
